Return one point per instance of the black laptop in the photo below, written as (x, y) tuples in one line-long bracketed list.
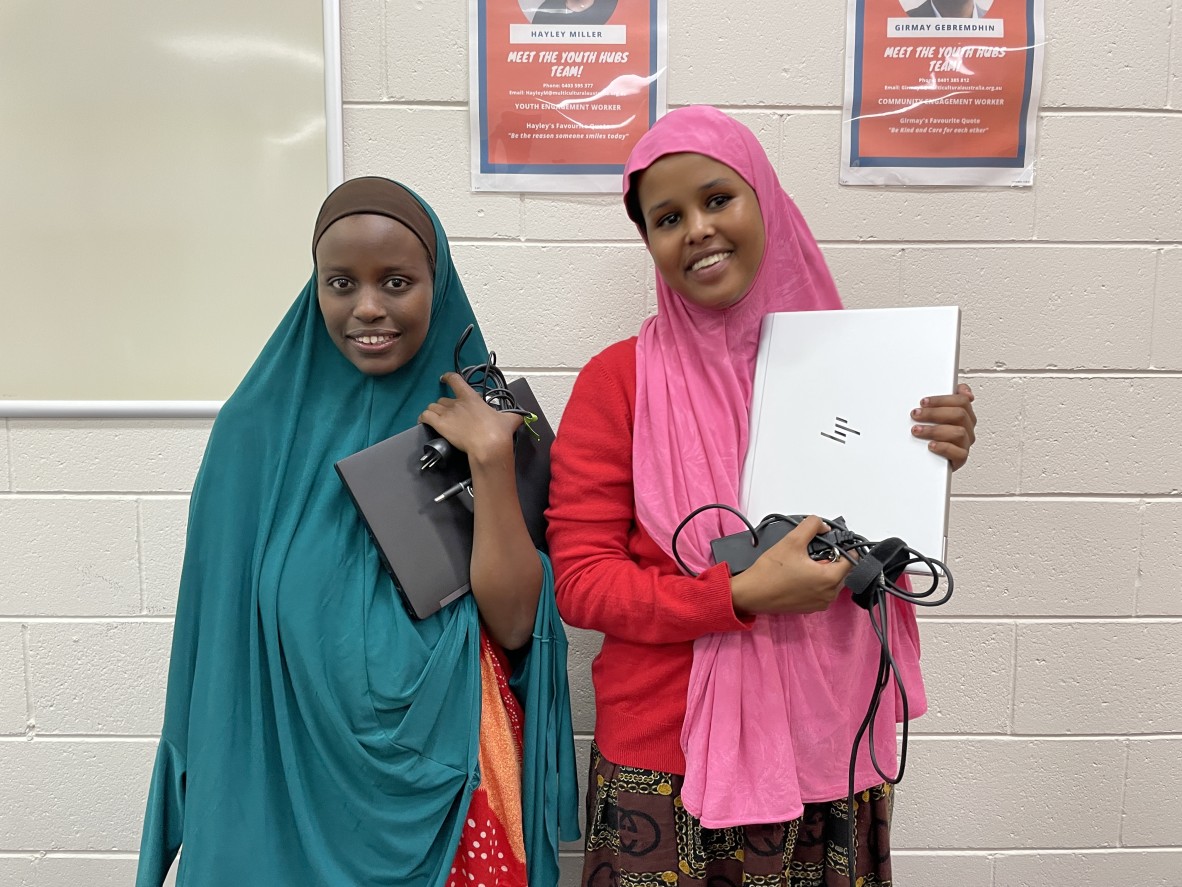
[(426, 546)]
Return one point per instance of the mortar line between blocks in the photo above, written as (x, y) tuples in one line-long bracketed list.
[(82, 739), (1012, 738), (1153, 318), (385, 55), (404, 103), (68, 854), (1075, 498), (97, 495), (139, 553), (8, 451), (1014, 681), (1049, 619), (1170, 58), (1021, 433), (113, 619), (781, 122), (992, 853), (997, 853), (1124, 794), (30, 714), (1142, 510)]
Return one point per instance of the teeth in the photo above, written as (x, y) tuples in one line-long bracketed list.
[(708, 261), (374, 340)]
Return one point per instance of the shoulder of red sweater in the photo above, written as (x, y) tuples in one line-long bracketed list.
[(608, 377), (619, 357)]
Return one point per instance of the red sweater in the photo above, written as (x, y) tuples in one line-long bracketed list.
[(613, 578)]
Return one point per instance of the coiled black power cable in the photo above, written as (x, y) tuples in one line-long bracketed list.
[(489, 382)]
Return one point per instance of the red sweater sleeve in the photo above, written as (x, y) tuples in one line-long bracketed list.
[(611, 576)]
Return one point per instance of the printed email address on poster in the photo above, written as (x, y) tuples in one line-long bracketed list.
[(575, 34), (945, 27)]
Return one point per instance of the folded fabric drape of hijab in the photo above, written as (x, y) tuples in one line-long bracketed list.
[(771, 712), (313, 732)]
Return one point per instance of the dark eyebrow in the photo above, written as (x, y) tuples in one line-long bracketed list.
[(710, 185), (389, 269)]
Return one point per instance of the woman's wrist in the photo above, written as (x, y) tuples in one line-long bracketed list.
[(740, 591), (491, 455)]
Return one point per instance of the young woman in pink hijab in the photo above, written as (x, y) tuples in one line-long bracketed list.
[(726, 707)]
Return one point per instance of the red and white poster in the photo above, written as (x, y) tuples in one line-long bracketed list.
[(561, 90), (941, 92)]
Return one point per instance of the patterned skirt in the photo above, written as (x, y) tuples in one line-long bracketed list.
[(640, 835)]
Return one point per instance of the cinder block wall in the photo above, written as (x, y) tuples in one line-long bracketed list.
[(1052, 751)]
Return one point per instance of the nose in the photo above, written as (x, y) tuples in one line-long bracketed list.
[(699, 226), (370, 306)]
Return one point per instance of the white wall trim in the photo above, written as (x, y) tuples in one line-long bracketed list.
[(109, 409)]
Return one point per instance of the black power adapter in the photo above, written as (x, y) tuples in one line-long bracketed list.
[(740, 550)]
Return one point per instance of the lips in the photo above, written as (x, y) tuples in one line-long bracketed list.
[(373, 341), (703, 262)]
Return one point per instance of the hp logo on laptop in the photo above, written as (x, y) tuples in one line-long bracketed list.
[(841, 428)]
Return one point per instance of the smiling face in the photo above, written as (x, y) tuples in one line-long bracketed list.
[(373, 283), (704, 228)]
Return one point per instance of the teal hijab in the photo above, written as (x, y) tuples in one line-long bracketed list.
[(314, 734)]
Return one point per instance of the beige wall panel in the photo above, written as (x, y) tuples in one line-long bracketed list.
[(363, 64), (1042, 557), (425, 46), (1099, 58), (1167, 312), (427, 148), (98, 677), (1025, 794), (1145, 868), (1160, 568), (14, 703), (39, 870), (968, 676), (1109, 177), (1151, 815), (753, 53), (157, 202), (583, 299), (87, 796), (809, 159), (1092, 678), (87, 455), (5, 463), (996, 464)]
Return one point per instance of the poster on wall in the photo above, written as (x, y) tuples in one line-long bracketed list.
[(941, 92), (561, 90)]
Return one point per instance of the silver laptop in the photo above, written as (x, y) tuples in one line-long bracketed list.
[(830, 430)]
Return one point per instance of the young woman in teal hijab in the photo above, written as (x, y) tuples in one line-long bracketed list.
[(315, 734)]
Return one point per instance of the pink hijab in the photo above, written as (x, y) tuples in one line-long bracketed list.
[(695, 366), (771, 713)]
